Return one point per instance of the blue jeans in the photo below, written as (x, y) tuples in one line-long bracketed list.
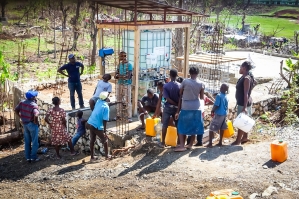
[(76, 138), (31, 140), (76, 86)]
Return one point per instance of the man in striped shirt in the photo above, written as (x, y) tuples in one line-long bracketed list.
[(28, 112)]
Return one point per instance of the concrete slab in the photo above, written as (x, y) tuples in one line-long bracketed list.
[(266, 66)]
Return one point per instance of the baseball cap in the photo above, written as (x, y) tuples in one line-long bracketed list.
[(103, 95), (30, 94), (71, 56)]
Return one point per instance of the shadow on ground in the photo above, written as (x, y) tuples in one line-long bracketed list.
[(155, 160), (271, 164), (15, 167), (211, 154)]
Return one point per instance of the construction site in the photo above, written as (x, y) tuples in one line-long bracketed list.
[(139, 168)]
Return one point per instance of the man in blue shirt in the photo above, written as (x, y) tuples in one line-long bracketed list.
[(123, 90), (97, 124), (73, 74), (219, 113)]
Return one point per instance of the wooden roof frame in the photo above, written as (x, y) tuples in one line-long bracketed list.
[(148, 7), (208, 58)]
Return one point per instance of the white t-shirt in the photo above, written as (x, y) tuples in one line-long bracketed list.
[(102, 86)]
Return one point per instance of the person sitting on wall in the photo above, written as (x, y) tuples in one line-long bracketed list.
[(103, 85), (74, 83), (147, 104)]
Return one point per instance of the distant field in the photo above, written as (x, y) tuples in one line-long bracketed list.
[(279, 8), (268, 24)]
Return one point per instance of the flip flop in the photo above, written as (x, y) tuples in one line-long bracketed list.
[(140, 129), (188, 147), (109, 157), (96, 158), (180, 150), (77, 153), (243, 142)]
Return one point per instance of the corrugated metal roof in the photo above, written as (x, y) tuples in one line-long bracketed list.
[(146, 6)]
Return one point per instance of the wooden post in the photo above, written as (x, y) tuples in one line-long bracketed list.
[(135, 71), (186, 53), (100, 44)]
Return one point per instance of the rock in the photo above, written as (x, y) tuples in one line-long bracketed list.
[(269, 191), (281, 185), (253, 196), (265, 166)]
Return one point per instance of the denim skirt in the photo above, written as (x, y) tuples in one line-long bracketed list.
[(190, 122)]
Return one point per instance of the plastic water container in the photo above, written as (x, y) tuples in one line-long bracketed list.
[(171, 136), (158, 129), (244, 122), (202, 106), (150, 126), (224, 197), (224, 194), (279, 151), (229, 131)]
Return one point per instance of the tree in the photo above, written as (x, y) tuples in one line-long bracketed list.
[(93, 32), (178, 45), (3, 4), (64, 10), (74, 22)]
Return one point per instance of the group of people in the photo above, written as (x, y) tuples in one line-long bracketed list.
[(183, 108), (178, 103), (56, 118)]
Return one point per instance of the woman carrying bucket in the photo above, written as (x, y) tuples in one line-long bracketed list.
[(244, 101)]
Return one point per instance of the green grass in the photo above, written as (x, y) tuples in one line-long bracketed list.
[(279, 8), (268, 24), (10, 48)]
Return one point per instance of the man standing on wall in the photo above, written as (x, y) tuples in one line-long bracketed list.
[(28, 112), (73, 74), (123, 90)]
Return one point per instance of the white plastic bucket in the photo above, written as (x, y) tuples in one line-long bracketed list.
[(202, 106), (244, 122)]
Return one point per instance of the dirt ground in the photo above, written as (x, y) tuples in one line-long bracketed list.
[(152, 172)]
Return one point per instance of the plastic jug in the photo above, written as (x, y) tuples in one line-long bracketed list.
[(150, 126), (171, 136), (244, 122), (224, 197), (225, 194), (279, 151), (229, 131), (158, 129)]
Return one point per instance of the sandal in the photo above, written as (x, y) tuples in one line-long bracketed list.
[(140, 128), (76, 153), (161, 145), (179, 149), (94, 159), (109, 157), (188, 147)]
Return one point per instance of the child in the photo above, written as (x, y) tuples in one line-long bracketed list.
[(103, 85), (97, 124), (219, 113), (80, 127), (58, 127)]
